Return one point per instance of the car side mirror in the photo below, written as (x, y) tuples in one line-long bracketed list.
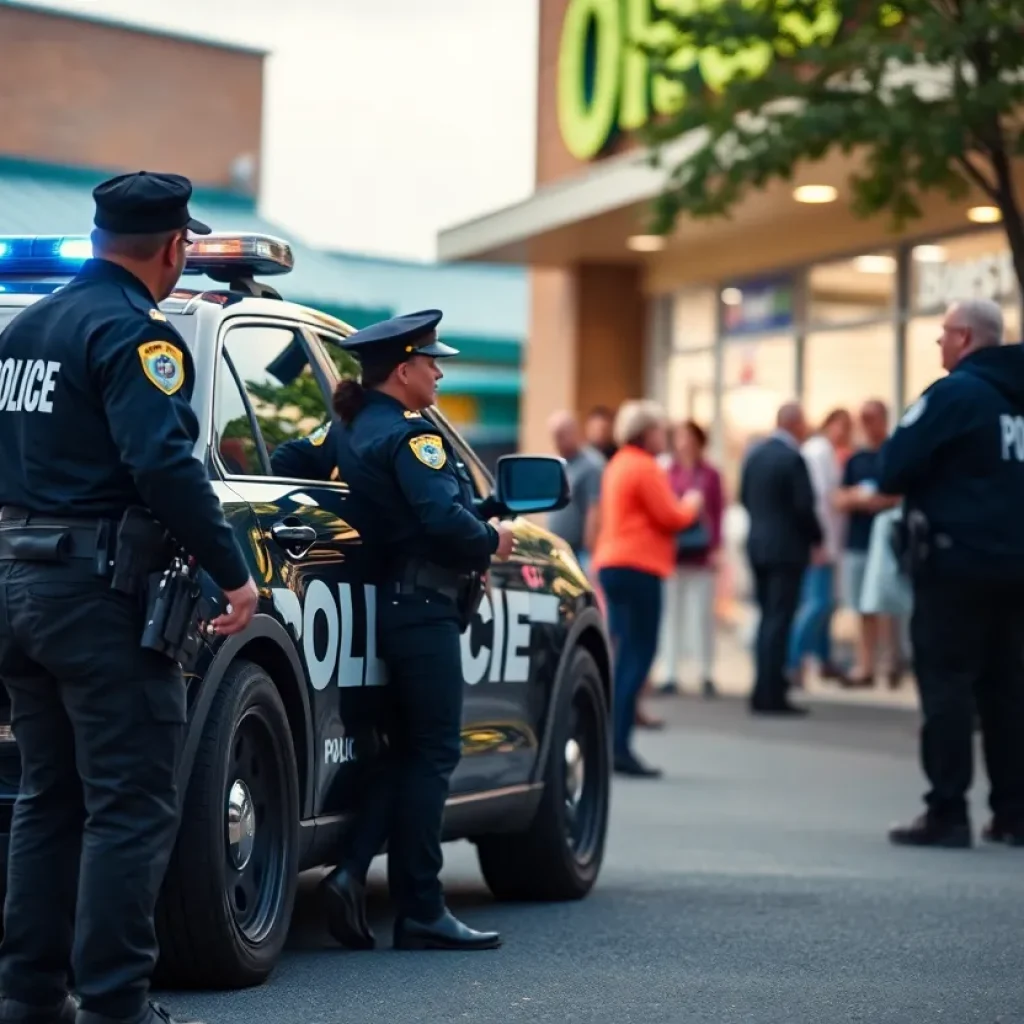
[(525, 484)]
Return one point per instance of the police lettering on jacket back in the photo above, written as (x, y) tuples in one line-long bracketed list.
[(957, 456), (90, 377), (26, 385)]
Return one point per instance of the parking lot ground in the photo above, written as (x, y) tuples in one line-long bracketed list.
[(752, 884)]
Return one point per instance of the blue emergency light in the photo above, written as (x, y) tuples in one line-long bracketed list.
[(222, 257)]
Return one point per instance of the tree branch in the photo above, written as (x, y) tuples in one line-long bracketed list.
[(975, 174)]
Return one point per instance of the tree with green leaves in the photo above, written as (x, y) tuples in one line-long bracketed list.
[(929, 92)]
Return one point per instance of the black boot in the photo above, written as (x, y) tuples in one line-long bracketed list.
[(14, 1012), (345, 899), (927, 830), (446, 932), (630, 764), (996, 831)]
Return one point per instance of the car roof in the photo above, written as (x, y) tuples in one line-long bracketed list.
[(187, 301)]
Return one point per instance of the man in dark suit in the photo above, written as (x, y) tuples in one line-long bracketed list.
[(776, 491)]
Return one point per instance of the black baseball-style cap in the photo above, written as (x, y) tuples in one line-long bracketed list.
[(145, 204)]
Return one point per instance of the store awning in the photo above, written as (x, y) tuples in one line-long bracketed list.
[(590, 216), (45, 200)]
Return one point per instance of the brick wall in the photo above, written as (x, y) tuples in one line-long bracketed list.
[(94, 95)]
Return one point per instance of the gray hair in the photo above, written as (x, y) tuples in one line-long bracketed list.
[(635, 418), (984, 318)]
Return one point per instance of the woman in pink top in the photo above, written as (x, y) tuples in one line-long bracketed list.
[(691, 589)]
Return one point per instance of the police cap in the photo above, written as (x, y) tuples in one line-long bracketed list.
[(145, 204), (391, 342)]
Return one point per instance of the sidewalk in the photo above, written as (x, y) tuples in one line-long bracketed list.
[(734, 669)]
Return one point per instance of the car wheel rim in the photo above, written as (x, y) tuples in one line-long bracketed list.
[(582, 792), (254, 827)]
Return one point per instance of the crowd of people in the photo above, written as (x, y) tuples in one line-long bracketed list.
[(646, 522)]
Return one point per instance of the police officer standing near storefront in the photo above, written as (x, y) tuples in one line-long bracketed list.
[(957, 458), (419, 519), (96, 439)]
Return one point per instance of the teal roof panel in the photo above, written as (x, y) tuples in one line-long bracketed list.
[(480, 380), (477, 299)]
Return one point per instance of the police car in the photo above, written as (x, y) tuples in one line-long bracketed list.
[(283, 718)]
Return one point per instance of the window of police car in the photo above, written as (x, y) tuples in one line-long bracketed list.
[(279, 393), (235, 436)]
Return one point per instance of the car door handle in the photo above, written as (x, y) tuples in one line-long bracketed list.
[(294, 536)]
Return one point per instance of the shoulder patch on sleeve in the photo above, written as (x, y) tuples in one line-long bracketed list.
[(163, 365), (914, 412), (429, 449), (319, 435)]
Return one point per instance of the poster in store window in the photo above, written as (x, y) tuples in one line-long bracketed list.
[(757, 307)]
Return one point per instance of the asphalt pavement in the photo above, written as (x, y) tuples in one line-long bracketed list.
[(752, 884)]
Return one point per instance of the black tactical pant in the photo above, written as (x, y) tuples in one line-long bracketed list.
[(99, 724), (418, 639), (969, 654)]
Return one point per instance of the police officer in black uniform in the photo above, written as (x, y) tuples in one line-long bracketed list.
[(420, 520), (957, 458), (96, 439)]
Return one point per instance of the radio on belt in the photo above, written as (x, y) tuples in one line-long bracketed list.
[(173, 602)]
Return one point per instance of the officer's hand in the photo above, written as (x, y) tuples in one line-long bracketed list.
[(241, 608), (506, 541)]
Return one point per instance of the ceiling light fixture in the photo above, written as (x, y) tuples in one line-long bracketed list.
[(815, 194), (874, 263), (646, 243), (929, 254), (984, 214)]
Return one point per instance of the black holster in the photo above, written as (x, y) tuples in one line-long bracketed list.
[(173, 607), (141, 547), (471, 593), (910, 540)]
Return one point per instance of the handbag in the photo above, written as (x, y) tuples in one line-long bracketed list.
[(695, 539)]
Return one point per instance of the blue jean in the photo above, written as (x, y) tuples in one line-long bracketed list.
[(633, 600), (811, 633)]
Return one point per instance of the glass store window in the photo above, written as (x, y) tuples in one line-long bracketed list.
[(694, 319), (757, 377), (758, 364), (850, 347), (852, 291), (843, 369), (975, 265), (690, 391)]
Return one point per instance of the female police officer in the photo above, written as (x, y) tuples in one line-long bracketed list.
[(418, 518)]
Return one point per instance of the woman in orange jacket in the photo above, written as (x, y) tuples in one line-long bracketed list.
[(640, 520)]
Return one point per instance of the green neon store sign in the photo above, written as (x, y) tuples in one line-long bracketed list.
[(606, 84)]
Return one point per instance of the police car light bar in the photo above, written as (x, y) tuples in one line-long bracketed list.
[(222, 257)]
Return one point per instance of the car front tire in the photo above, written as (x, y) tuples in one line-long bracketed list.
[(559, 857), (227, 900)]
